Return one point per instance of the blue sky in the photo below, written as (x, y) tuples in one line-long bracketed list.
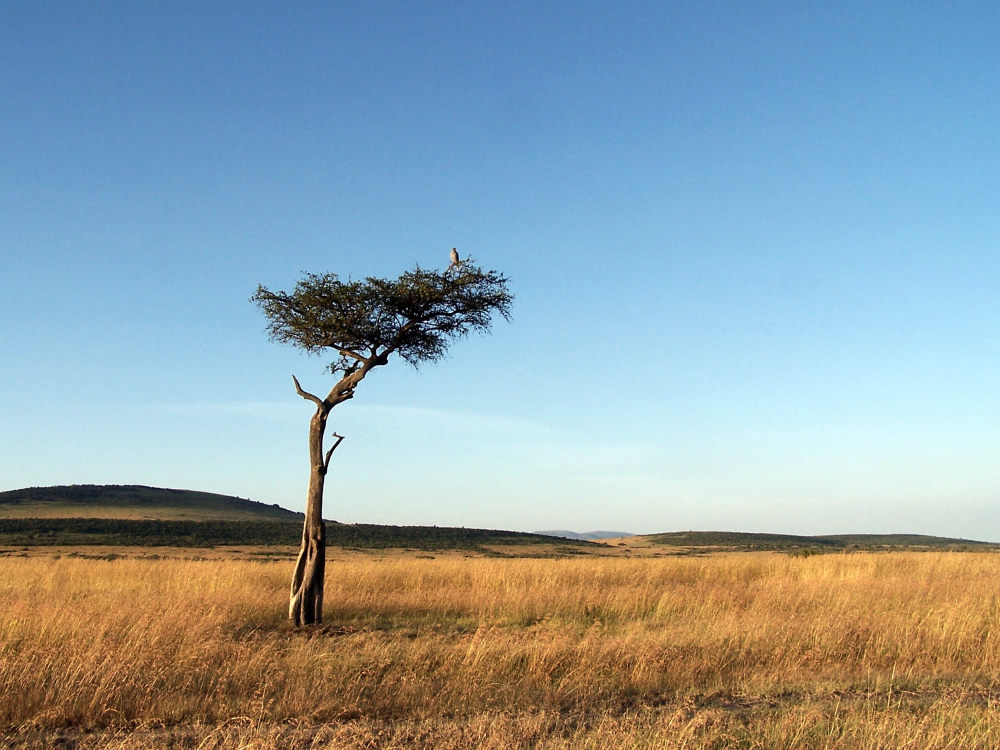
[(754, 248)]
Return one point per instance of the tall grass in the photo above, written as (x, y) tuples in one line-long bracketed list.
[(739, 650)]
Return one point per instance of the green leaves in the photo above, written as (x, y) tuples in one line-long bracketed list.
[(416, 316)]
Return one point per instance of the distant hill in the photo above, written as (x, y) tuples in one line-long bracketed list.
[(135, 515), (135, 502), (16, 532), (751, 541), (587, 535), (150, 516)]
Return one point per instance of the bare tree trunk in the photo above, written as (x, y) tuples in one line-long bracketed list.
[(305, 606)]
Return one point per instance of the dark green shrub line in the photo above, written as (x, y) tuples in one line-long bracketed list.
[(151, 533)]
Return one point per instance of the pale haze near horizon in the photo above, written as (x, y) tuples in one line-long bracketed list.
[(754, 252)]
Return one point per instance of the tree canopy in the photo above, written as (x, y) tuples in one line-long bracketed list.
[(415, 316)]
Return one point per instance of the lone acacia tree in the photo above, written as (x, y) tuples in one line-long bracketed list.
[(416, 317)]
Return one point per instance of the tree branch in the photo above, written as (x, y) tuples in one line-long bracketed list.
[(352, 355), (344, 389), (305, 394), (329, 453)]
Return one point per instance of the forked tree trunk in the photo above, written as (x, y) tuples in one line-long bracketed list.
[(305, 605)]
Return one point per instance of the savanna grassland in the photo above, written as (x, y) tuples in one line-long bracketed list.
[(743, 650)]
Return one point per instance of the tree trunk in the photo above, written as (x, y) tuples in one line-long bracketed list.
[(305, 606)]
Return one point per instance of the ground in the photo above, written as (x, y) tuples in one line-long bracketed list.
[(132, 648)]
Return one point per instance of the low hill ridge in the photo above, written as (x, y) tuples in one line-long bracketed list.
[(135, 501), (751, 540), (137, 515)]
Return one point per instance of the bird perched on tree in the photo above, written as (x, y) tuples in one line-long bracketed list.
[(455, 262)]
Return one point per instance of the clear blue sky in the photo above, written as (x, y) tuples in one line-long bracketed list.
[(754, 247)]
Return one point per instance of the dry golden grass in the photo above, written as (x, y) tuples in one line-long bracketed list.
[(737, 650)]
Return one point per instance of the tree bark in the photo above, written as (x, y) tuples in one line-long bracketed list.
[(305, 605)]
